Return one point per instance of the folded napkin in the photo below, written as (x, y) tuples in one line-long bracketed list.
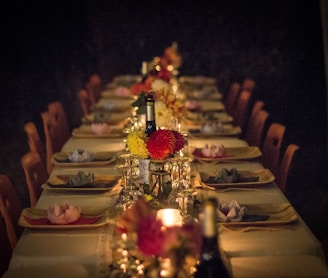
[(81, 179), (232, 212), (100, 128), (63, 214), (212, 127), (227, 176), (122, 91), (192, 105), (80, 155), (213, 151)]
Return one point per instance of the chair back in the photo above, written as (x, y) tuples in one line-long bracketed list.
[(6, 249), (57, 109), (85, 102), (257, 106), (285, 166), (94, 86), (255, 128), (241, 111), (231, 97), (35, 175), (34, 141), (10, 209), (272, 147), (248, 84), (54, 138)]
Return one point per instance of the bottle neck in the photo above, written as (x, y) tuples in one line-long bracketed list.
[(210, 221), (150, 108)]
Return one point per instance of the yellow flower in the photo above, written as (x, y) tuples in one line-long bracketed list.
[(136, 142)]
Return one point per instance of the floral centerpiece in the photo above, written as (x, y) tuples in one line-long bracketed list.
[(160, 145), (180, 244), (169, 109)]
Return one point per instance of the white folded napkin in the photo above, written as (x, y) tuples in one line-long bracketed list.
[(213, 151), (63, 214), (100, 128), (230, 212), (80, 155), (212, 127)]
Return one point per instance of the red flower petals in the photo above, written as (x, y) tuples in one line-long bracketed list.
[(179, 141), (161, 144)]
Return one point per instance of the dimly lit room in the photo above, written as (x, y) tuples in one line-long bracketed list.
[(164, 139)]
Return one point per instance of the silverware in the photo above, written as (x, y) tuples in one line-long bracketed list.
[(254, 228)]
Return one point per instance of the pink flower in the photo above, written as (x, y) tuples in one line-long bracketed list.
[(150, 236), (130, 220)]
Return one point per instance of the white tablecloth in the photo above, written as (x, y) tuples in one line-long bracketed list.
[(291, 251)]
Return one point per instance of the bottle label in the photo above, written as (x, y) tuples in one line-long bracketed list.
[(144, 175)]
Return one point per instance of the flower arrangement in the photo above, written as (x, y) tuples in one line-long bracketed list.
[(153, 239), (161, 144), (167, 105)]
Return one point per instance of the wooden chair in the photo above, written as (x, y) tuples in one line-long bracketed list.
[(231, 97), (248, 84), (54, 136), (94, 86), (34, 141), (6, 250), (85, 102), (57, 108), (257, 106), (285, 166), (35, 175), (255, 128), (241, 113), (10, 209), (272, 147)]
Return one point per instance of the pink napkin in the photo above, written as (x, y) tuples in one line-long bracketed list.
[(192, 105), (213, 151), (100, 128), (63, 214), (122, 91)]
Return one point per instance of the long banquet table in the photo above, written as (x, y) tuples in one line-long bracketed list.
[(289, 250)]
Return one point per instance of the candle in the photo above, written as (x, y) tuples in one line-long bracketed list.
[(170, 217)]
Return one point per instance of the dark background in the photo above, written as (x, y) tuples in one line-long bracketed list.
[(48, 47)]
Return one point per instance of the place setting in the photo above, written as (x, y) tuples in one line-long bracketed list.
[(98, 130), (65, 216), (244, 218), (82, 158), (213, 154)]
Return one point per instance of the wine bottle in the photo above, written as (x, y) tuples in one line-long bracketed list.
[(150, 114), (144, 70), (211, 264)]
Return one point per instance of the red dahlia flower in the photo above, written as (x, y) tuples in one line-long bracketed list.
[(161, 144), (179, 141)]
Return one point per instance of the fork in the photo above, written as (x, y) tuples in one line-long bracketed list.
[(255, 228)]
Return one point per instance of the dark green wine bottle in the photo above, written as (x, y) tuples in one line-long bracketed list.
[(211, 264), (150, 114)]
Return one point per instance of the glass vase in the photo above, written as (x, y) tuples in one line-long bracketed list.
[(160, 179)]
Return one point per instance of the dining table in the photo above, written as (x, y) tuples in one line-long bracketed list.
[(285, 247)]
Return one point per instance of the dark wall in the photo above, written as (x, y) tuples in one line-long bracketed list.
[(49, 46)]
